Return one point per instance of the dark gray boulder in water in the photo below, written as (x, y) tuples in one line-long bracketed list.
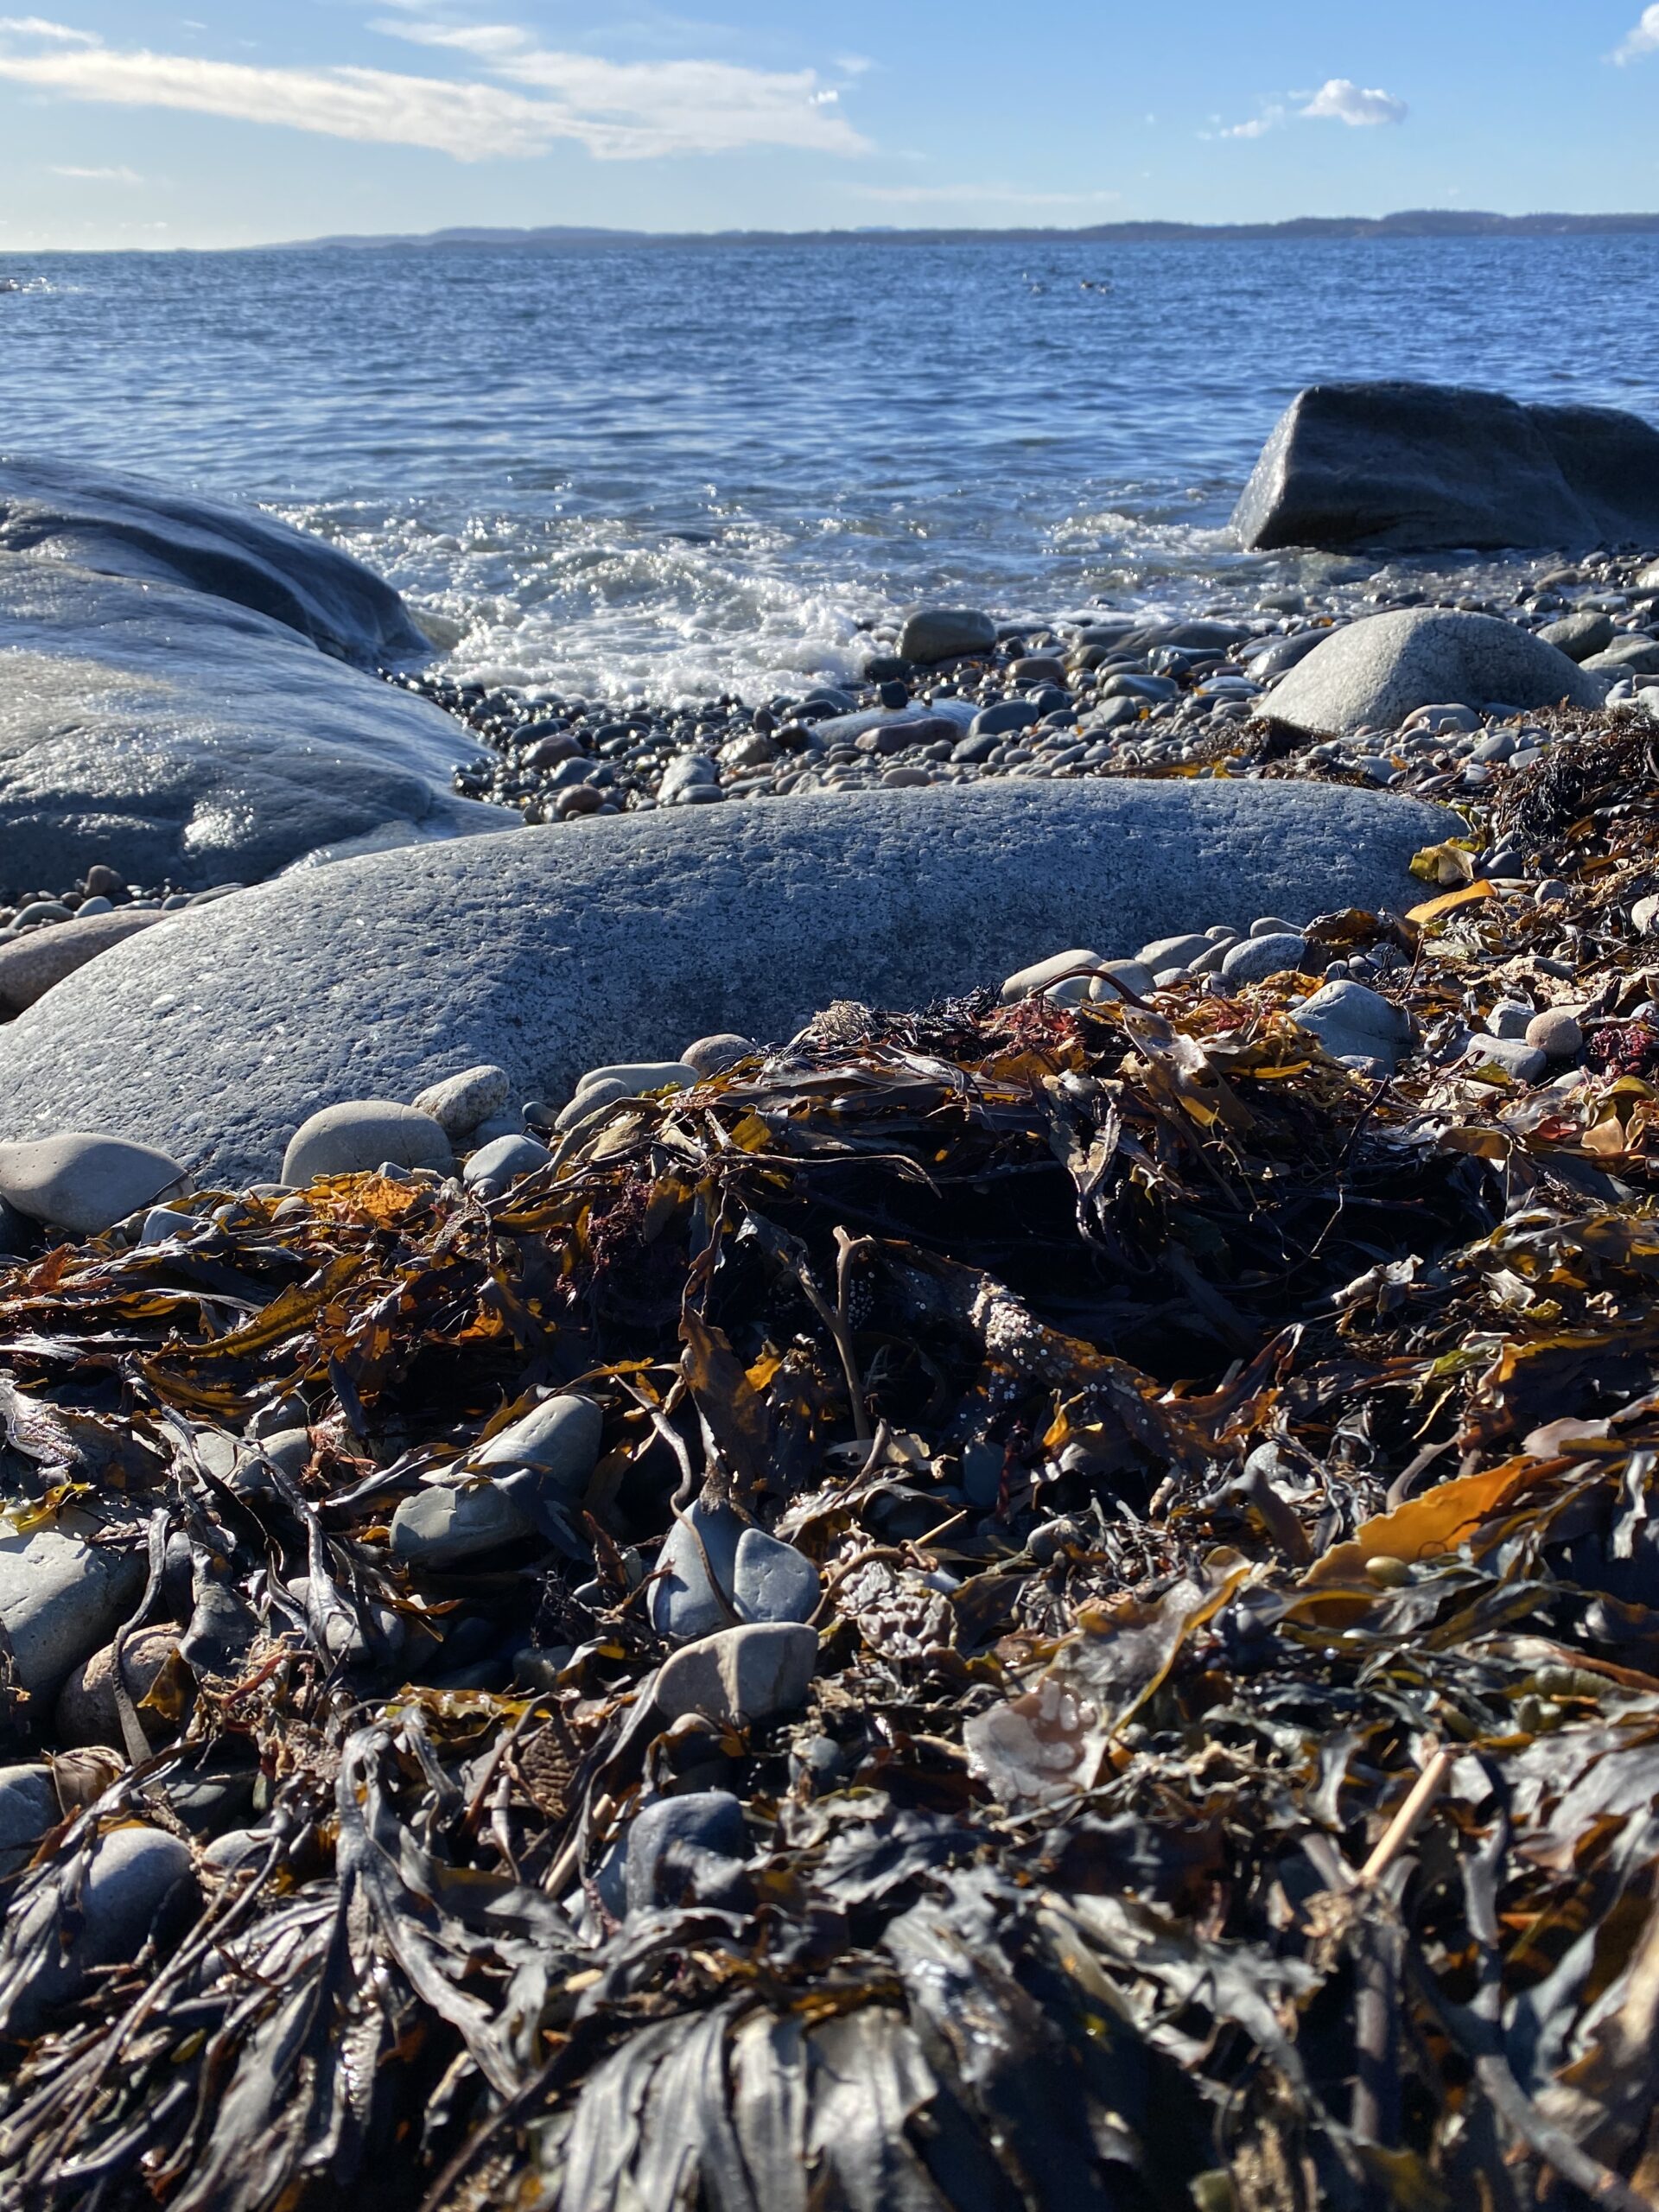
[(558, 951), (119, 526), (1410, 466), (176, 737)]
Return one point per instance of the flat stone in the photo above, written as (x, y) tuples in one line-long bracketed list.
[(1373, 674), (86, 1710), (460, 1102), (28, 1806), (1253, 959), (547, 952), (84, 1184), (31, 965), (608, 1086), (936, 633), (1523, 1062), (1059, 970), (741, 1676), (1629, 656), (445, 1523), (1581, 635), (1409, 467), (356, 1137), (1352, 1022), (138, 1880), (177, 737), (1172, 952), (1007, 715), (495, 1166), (559, 1439), (61, 1599), (772, 1581), (128, 527)]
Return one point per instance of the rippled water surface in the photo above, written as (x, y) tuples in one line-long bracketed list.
[(682, 469)]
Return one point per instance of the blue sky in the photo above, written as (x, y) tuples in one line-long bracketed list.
[(127, 124)]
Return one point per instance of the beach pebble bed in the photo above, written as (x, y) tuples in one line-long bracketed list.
[(955, 695)]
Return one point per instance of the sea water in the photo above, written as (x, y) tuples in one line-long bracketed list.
[(687, 469)]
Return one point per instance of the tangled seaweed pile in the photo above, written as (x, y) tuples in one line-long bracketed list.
[(1230, 1770)]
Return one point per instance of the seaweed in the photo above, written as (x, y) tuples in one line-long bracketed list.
[(1230, 1773)]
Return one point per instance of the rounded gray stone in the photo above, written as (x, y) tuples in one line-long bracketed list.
[(356, 1137), (445, 1523), (30, 966), (82, 1183), (28, 1806), (1351, 1020), (1253, 959), (60, 1599), (138, 1879), (676, 1845), (1374, 673), (740, 1675), (459, 1103), (934, 633), (549, 953), (494, 1165), (1579, 635), (558, 1439), (709, 1055)]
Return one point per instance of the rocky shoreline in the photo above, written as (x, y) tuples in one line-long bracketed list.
[(1007, 1560)]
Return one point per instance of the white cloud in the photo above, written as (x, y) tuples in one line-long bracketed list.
[(1257, 127), (1341, 100), (102, 176), (37, 27), (617, 111), (1644, 39), (1004, 196)]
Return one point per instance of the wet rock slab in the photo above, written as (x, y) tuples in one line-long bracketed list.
[(176, 737), (121, 525), (549, 955)]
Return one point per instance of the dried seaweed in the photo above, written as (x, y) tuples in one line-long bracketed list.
[(1231, 1775)]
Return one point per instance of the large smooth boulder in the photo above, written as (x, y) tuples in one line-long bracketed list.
[(1373, 674), (180, 738), (1410, 466), (120, 526), (554, 951)]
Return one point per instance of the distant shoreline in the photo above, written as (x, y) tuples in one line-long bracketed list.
[(1425, 223)]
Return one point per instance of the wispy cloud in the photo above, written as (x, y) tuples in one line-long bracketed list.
[(1004, 195), (37, 27), (1643, 39), (1337, 100), (618, 110), (1258, 126), (1340, 100), (101, 176)]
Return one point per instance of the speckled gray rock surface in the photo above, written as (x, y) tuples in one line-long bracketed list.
[(178, 737), (1374, 673), (119, 526), (556, 950)]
